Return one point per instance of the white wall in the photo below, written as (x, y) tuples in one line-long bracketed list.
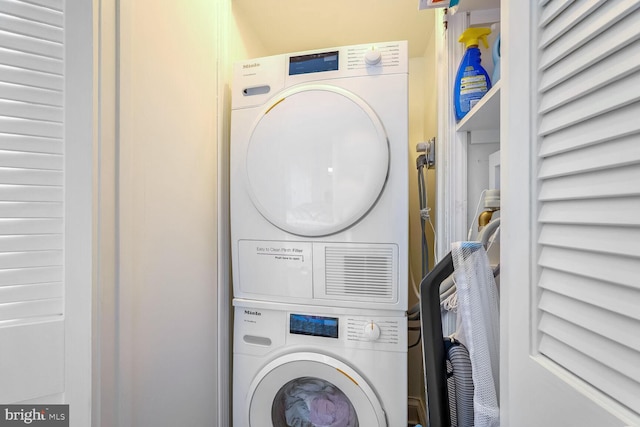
[(243, 41), (167, 214)]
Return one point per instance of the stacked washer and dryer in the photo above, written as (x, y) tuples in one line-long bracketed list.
[(319, 230)]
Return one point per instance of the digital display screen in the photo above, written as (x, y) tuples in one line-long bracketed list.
[(314, 63), (316, 326)]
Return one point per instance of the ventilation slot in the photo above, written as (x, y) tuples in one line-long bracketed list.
[(359, 272)]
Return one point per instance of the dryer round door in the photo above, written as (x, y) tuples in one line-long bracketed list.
[(310, 389), (317, 160)]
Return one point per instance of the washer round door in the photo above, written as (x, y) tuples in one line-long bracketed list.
[(317, 160), (312, 390)]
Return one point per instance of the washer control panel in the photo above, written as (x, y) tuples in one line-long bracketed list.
[(381, 330), (371, 332), (262, 327)]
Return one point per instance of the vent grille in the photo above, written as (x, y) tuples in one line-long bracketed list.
[(362, 272)]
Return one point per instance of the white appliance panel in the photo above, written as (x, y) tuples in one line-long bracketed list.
[(282, 350), (320, 160), (276, 269)]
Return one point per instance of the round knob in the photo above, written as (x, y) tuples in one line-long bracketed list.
[(371, 331), (372, 57)]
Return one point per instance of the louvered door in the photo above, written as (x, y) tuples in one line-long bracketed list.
[(31, 199), (580, 292), (589, 194)]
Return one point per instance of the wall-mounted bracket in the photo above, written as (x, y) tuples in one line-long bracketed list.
[(428, 159)]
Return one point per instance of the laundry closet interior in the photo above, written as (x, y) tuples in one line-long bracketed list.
[(213, 211)]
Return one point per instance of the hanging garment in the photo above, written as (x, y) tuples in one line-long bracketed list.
[(479, 327)]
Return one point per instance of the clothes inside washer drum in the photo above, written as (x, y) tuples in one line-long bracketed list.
[(312, 402)]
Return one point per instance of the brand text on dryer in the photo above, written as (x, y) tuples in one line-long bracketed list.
[(252, 313)]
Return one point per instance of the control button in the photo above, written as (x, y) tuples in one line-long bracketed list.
[(371, 331), (372, 57)]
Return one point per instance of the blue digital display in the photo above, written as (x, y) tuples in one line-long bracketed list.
[(316, 326), (313, 63)]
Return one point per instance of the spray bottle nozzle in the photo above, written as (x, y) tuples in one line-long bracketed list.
[(471, 36)]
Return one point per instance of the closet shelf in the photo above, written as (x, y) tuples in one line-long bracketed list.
[(468, 5), (485, 115)]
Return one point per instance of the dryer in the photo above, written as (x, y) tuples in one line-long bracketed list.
[(319, 177), (310, 365)]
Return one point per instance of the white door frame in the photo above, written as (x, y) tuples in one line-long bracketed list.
[(79, 218)]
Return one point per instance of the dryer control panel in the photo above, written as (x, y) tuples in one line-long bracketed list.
[(256, 80), (314, 62), (373, 56)]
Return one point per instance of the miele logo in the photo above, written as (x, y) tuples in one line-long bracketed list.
[(253, 65), (252, 313)]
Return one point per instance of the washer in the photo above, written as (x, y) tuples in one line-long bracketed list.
[(318, 366), (319, 171)]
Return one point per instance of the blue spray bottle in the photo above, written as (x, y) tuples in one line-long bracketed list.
[(472, 80)]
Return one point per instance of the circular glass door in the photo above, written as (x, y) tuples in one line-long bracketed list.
[(310, 402), (312, 390), (317, 160)]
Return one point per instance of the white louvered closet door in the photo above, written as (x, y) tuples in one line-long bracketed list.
[(31, 199), (583, 362)]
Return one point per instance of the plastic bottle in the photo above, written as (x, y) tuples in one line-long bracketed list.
[(472, 80), (496, 61), (491, 205)]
